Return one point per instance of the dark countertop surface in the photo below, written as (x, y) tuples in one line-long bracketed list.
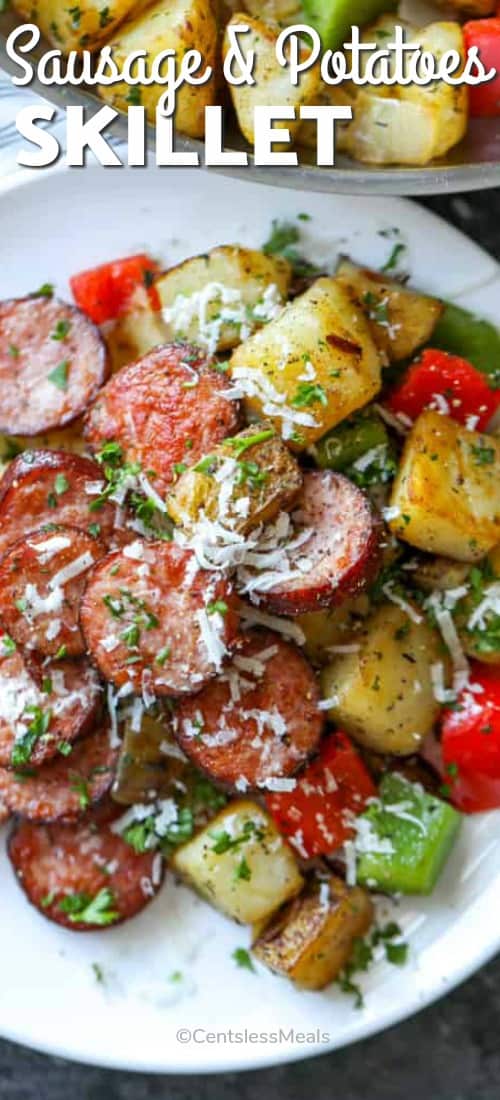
[(451, 1051)]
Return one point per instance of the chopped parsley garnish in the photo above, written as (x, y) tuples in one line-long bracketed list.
[(309, 393), (398, 251), (94, 529), (163, 655), (61, 330), (46, 290), (218, 607), (133, 96), (64, 748), (104, 18), (378, 308), (23, 746), (83, 909), (59, 376), (250, 473), (13, 351), (243, 872), (362, 957), (76, 15), (80, 787), (7, 645), (282, 240), (61, 652), (240, 444), (61, 485), (224, 842), (484, 455), (143, 836), (243, 959)]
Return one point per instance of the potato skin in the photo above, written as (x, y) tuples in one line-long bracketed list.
[(326, 329), (272, 87), (310, 940), (378, 702), (243, 269), (274, 874), (196, 491), (180, 25), (409, 317), (447, 490)]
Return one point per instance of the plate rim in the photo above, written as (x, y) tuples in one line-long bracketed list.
[(257, 1058)]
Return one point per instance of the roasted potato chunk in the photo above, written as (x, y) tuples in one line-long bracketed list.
[(412, 124), (447, 491), (439, 574), (383, 695), (145, 770), (310, 940), (272, 87), (326, 630), (218, 299), (136, 332), (245, 482), (241, 864), (400, 319), (180, 25), (312, 367), (85, 26)]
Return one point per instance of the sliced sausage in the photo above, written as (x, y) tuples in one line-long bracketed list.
[(4, 813), (52, 363), (338, 556), (42, 578), (41, 488), (84, 876), (65, 787), (155, 622), (168, 408), (43, 706), (260, 720)]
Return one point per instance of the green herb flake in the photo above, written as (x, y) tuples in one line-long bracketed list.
[(243, 959), (13, 351), (61, 485), (59, 376), (7, 645), (309, 393), (83, 909), (61, 330)]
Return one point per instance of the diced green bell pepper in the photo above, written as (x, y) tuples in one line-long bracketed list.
[(333, 19), (462, 333), (359, 435), (418, 827)]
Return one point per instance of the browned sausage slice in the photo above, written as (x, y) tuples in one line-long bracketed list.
[(156, 623), (40, 488), (43, 707), (336, 558), (42, 578), (64, 788), (257, 722), (168, 408), (84, 876), (52, 363)]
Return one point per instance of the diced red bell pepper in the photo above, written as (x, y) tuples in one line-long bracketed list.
[(449, 384), (485, 34), (470, 744), (104, 292), (315, 815)]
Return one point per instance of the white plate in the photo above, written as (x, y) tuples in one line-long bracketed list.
[(52, 224)]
